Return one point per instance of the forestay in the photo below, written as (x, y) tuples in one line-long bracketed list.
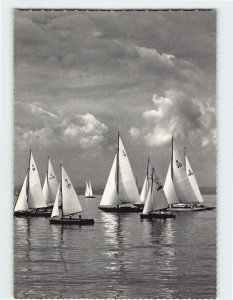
[(70, 201), (128, 191), (181, 182), (35, 195), (22, 204), (110, 196), (193, 181)]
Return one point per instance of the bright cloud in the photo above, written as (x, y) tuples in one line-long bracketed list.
[(177, 113)]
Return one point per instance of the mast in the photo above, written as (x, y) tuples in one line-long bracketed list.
[(48, 171), (152, 178), (29, 174), (185, 159), (117, 175), (147, 169), (172, 160), (61, 189)]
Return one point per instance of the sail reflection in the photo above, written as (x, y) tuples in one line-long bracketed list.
[(115, 251), (161, 235)]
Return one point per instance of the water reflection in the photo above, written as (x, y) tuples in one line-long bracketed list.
[(112, 224)]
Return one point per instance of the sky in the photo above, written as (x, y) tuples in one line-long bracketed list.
[(80, 76)]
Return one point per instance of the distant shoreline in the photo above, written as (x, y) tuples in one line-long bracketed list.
[(99, 191)]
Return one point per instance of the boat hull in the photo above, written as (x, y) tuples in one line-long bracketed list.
[(72, 221), (190, 209), (120, 209), (89, 197), (140, 205), (26, 214), (158, 216)]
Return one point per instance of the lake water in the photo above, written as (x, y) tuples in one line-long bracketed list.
[(119, 257)]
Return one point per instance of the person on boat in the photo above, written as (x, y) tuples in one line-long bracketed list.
[(80, 216)]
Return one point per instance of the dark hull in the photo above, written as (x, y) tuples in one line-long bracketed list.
[(157, 216), (121, 209), (140, 205), (190, 209), (89, 197), (26, 214), (72, 221)]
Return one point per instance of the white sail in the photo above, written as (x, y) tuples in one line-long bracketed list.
[(127, 188), (70, 201), (159, 199), (148, 207), (87, 191), (193, 181), (145, 189), (169, 189), (57, 202), (181, 183), (35, 194), (90, 189), (110, 196), (22, 204), (50, 185)]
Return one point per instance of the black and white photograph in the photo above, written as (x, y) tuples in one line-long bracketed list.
[(115, 140)]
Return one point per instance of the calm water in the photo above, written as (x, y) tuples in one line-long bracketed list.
[(119, 257)]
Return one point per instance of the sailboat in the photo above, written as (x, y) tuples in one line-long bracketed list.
[(156, 202), (181, 188), (121, 190), (145, 187), (50, 185), (88, 190), (31, 201), (70, 205)]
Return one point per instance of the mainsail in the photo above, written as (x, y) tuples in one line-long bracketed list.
[(35, 195), (56, 211), (50, 185), (127, 188), (156, 199), (181, 182), (22, 204), (146, 185), (121, 186), (110, 196), (70, 201), (192, 180)]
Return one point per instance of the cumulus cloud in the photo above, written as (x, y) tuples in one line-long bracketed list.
[(80, 130), (178, 114)]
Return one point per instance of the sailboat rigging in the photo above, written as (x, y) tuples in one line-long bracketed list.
[(70, 204), (180, 186), (31, 201), (88, 190), (121, 190), (156, 202)]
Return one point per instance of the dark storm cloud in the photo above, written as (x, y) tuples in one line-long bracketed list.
[(104, 68)]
